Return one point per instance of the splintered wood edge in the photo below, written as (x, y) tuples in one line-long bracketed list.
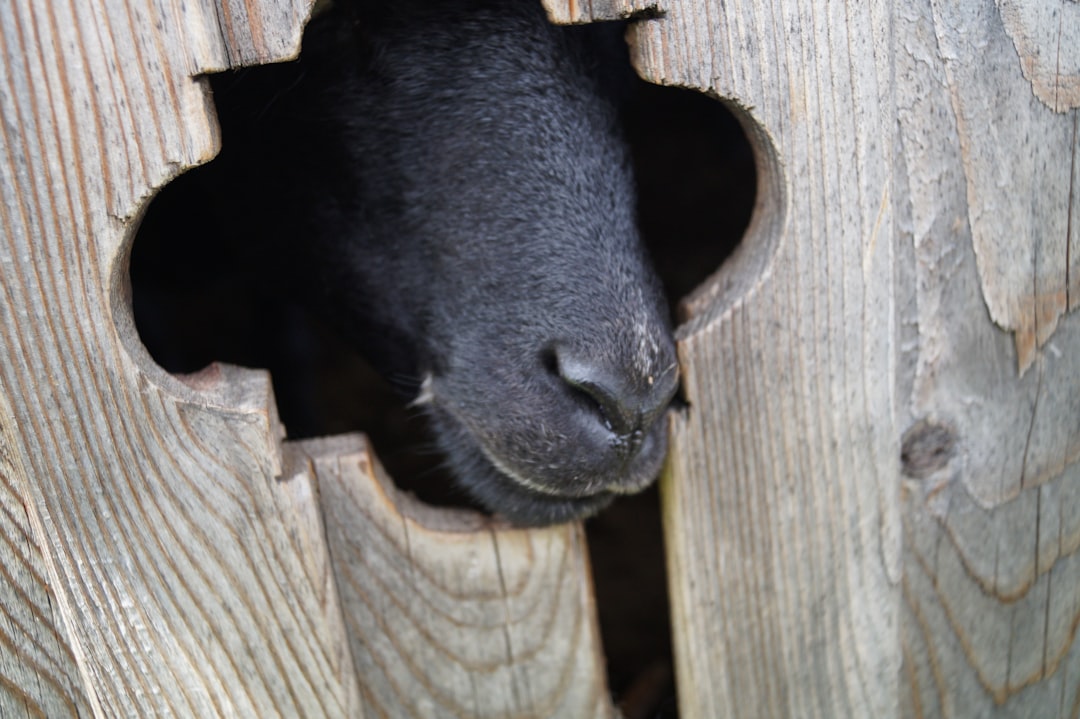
[(230, 37), (356, 448), (577, 12)]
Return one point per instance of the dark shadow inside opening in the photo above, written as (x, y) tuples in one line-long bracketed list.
[(696, 190), (198, 298)]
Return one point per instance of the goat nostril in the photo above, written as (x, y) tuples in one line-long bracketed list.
[(616, 417), (550, 359), (619, 409)]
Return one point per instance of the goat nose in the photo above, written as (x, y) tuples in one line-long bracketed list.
[(627, 404)]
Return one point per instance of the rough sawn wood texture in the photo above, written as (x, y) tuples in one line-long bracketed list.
[(448, 615)]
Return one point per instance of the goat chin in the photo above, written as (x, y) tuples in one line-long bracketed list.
[(505, 495), (532, 483)]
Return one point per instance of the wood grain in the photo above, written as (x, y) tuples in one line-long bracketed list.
[(1049, 57), (1019, 204), (450, 615), (992, 569), (870, 503), (154, 565), (39, 674)]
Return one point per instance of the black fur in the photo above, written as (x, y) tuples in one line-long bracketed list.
[(447, 182)]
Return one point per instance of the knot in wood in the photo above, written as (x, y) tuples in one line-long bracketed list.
[(926, 447)]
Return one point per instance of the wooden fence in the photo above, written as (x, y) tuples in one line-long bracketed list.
[(872, 505)]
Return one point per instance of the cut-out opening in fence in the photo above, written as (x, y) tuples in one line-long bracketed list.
[(199, 296)]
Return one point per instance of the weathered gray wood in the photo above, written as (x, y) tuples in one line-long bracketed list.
[(39, 675), (871, 505), (157, 567), (991, 571), (1015, 142), (449, 615)]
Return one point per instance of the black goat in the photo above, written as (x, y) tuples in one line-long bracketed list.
[(446, 181)]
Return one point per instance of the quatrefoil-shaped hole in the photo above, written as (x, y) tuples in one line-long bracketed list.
[(199, 300)]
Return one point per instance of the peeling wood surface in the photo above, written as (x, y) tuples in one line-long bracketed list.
[(871, 505), (1019, 155), (992, 538), (1046, 48), (449, 616)]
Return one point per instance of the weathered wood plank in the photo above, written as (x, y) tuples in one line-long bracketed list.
[(449, 615), (992, 569), (1016, 154), (786, 465), (179, 575), (39, 674), (870, 504), (1049, 57)]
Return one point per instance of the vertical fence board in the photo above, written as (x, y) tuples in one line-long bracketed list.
[(154, 563), (449, 614), (871, 504)]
